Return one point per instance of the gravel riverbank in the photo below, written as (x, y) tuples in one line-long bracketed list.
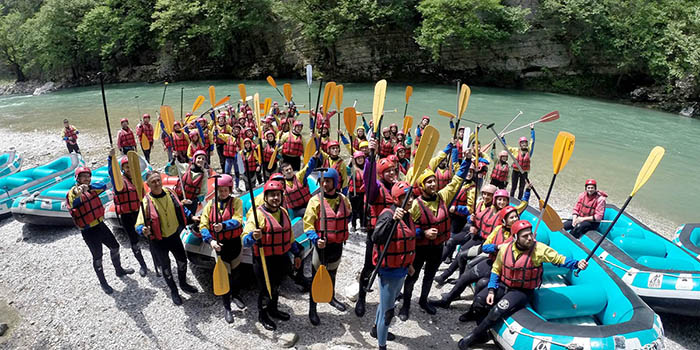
[(50, 297)]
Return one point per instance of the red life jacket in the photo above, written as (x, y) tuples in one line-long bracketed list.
[(500, 239), (180, 141), (126, 201), (463, 197), (324, 144), (126, 138), (357, 182), (428, 220), (250, 163), (219, 131), (485, 220), (293, 147), (524, 161), (500, 172), (146, 129), (206, 140), (337, 166), (586, 205), (521, 273), (194, 147), (418, 136), (296, 195), (402, 248), (443, 177), (227, 214), (356, 143), (231, 147), (336, 222), (383, 201), (153, 219), (70, 133), (89, 209), (385, 148), (267, 154), (192, 186), (276, 238)]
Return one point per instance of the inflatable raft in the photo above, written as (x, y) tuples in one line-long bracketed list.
[(10, 163), (688, 238), (593, 311), (48, 207), (36, 179), (663, 274)]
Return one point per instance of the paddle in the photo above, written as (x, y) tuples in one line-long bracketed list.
[(253, 212), (212, 95), (504, 129), (551, 116), (644, 174), (328, 94), (115, 174), (220, 276), (241, 91), (378, 107), (563, 148), (383, 112), (550, 216), (222, 101), (309, 80), (313, 119), (137, 181), (271, 81), (409, 93), (162, 100), (426, 148), (266, 106), (256, 107), (322, 285), (407, 123), (309, 150), (465, 146), (197, 103), (104, 104), (287, 88), (338, 103), (350, 118), (182, 95)]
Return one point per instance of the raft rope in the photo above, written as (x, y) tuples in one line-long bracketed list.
[(692, 276)]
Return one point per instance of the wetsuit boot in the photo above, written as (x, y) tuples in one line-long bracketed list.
[(313, 315), (116, 261), (182, 278), (97, 265), (139, 257), (174, 293)]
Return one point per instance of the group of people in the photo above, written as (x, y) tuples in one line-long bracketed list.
[(362, 193)]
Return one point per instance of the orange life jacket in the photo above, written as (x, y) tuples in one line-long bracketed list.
[(429, 220), (402, 248), (336, 222), (521, 273), (276, 237)]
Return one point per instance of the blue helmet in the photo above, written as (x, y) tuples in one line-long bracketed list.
[(331, 173)]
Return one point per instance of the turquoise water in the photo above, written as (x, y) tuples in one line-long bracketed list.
[(612, 140)]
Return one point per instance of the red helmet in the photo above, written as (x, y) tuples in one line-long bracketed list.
[(501, 193), (400, 132), (519, 226), (358, 154), (398, 147), (333, 144), (384, 165), (272, 186), (269, 132), (385, 129), (123, 120), (522, 138), (503, 213), (199, 153), (188, 114), (503, 153), (202, 121), (277, 177), (425, 117), (177, 123), (224, 180), (146, 115), (123, 161), (399, 189), (248, 140), (283, 121), (298, 123), (82, 169), (393, 125), (393, 158), (591, 182), (194, 133), (236, 126)]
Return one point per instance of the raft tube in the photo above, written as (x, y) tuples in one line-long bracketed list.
[(10, 163), (36, 179), (688, 238), (48, 207), (662, 273), (593, 311)]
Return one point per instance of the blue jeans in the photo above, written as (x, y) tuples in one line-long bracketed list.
[(389, 288), (232, 163)]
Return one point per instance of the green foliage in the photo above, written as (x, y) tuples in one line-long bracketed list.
[(11, 39), (464, 23)]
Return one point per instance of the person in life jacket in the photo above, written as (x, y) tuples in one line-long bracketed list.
[(324, 136), (125, 139), (162, 219), (481, 268), (386, 146), (406, 141), (460, 233), (400, 151), (394, 129), (126, 204), (273, 235), (180, 144), (70, 135), (429, 213), (332, 160), (588, 211), (284, 127), (523, 155), (419, 129), (221, 128), (232, 146), (378, 178), (296, 190), (359, 137), (499, 174), (326, 226), (85, 207), (364, 148), (145, 128), (251, 165), (268, 151), (293, 146), (356, 190), (222, 231), (195, 144), (443, 175), (516, 273), (192, 179), (398, 260)]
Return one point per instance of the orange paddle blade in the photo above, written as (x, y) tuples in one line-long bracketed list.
[(550, 117), (242, 92), (271, 81), (266, 105), (197, 103), (350, 118), (409, 93), (563, 148), (287, 92), (222, 101), (407, 123), (212, 95), (322, 286), (328, 93), (378, 103), (220, 278), (339, 96), (551, 218)]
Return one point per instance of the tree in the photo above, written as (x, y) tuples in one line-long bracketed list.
[(11, 39)]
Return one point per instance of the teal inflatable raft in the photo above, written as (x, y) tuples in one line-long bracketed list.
[(48, 207), (593, 311), (663, 274), (10, 163), (36, 179), (688, 238)]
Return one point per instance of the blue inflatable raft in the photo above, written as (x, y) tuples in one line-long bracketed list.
[(594, 311), (48, 207), (663, 274), (688, 238), (10, 163), (36, 179)]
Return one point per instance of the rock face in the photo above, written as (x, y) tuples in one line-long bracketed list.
[(49, 86), (683, 98)]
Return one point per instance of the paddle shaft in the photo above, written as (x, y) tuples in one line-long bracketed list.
[(515, 161), (254, 212), (459, 188), (324, 222), (182, 93), (313, 124), (104, 104), (546, 199), (162, 100), (507, 125), (525, 126)]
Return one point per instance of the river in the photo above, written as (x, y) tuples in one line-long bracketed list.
[(612, 140)]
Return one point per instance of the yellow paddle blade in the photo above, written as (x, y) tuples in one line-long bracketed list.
[(135, 172), (350, 118), (220, 278), (328, 93), (407, 123), (409, 93), (116, 174), (190, 118), (309, 150), (426, 148), (322, 286), (265, 273), (271, 81), (551, 218), (339, 96), (648, 168), (197, 103), (445, 113), (266, 105), (563, 148), (464, 99), (222, 101), (168, 117), (273, 159), (212, 95), (287, 89), (378, 103), (256, 107), (241, 91), (157, 131), (145, 144)]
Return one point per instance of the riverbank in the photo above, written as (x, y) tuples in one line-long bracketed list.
[(47, 282)]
